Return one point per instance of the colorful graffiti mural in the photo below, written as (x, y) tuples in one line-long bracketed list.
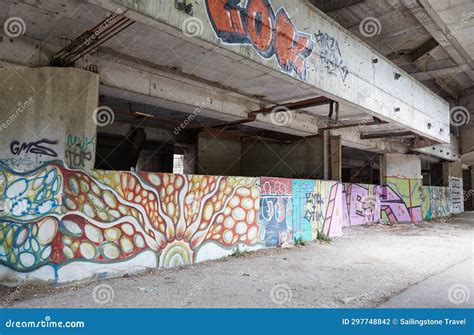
[(275, 216), (58, 224), (362, 204), (270, 33), (400, 200), (110, 216), (317, 209)]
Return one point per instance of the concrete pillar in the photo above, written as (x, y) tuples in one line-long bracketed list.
[(400, 166), (470, 193), (453, 178), (335, 148), (451, 169), (189, 159), (326, 154), (46, 114)]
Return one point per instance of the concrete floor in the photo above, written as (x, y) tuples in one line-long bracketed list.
[(426, 265)]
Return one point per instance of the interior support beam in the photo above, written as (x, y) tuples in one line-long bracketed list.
[(313, 102), (334, 5), (386, 135), (424, 49)]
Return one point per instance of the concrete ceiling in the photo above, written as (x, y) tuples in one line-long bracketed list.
[(53, 24), (430, 39)]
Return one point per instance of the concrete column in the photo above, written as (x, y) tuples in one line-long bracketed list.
[(335, 147), (326, 154), (470, 194), (46, 114), (451, 169), (400, 166), (190, 158)]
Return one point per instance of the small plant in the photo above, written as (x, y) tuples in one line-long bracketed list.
[(300, 242), (239, 253), (323, 237)]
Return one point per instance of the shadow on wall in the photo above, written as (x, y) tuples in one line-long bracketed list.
[(63, 225)]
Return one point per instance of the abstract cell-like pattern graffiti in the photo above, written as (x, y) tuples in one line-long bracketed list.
[(109, 217), (27, 197)]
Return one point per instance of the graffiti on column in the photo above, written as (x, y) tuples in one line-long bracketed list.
[(330, 54), (40, 147), (456, 195), (25, 155), (270, 34), (79, 150)]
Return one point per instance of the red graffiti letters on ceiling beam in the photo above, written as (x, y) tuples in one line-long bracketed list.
[(269, 34)]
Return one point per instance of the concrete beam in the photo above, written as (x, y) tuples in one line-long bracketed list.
[(137, 83), (430, 20), (364, 86), (351, 138), (424, 49), (334, 5)]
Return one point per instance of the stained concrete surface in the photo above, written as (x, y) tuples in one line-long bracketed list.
[(370, 266)]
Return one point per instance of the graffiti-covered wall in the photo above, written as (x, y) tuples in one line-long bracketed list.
[(62, 225), (399, 200), (41, 121)]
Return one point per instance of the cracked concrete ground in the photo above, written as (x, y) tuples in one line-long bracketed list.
[(370, 266)]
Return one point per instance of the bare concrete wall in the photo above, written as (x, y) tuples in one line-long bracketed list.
[(218, 156), (401, 166), (47, 114), (299, 159)]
